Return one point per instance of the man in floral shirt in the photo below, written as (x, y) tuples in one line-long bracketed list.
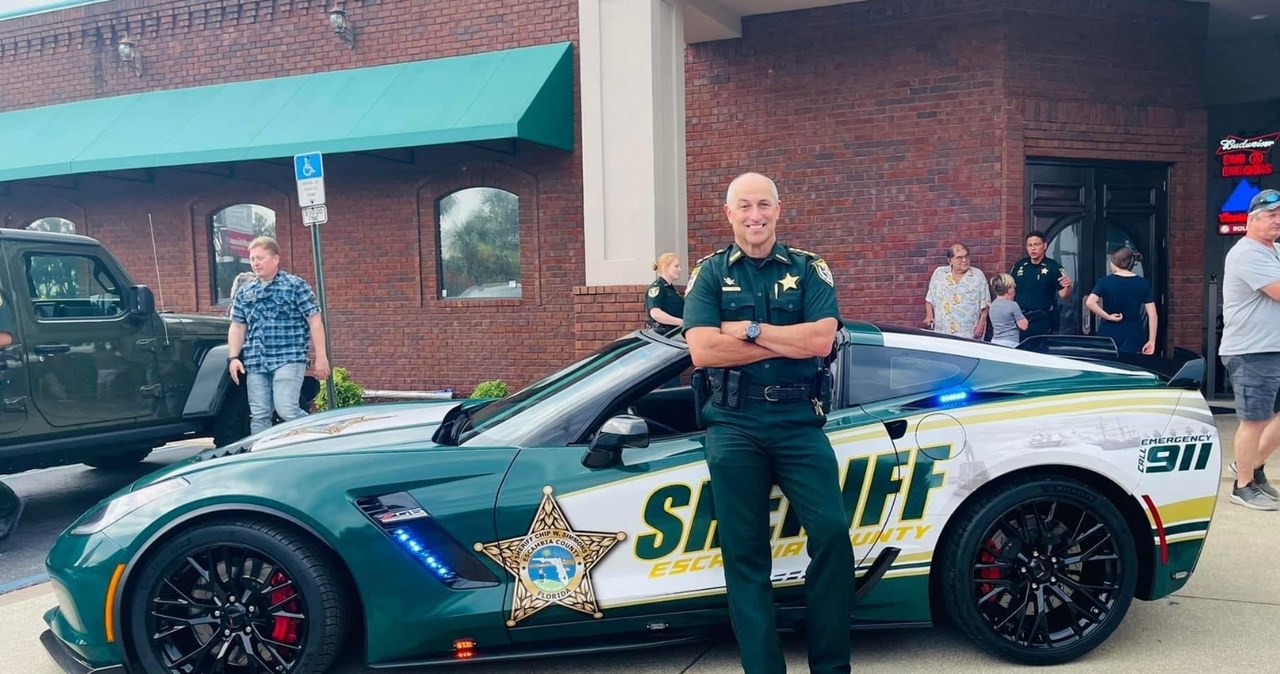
[(958, 299)]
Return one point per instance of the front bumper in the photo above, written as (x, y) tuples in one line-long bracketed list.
[(66, 659), (80, 572)]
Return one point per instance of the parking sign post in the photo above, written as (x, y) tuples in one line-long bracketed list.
[(308, 170)]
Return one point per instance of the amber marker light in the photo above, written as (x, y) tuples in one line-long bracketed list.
[(464, 649), (111, 602)]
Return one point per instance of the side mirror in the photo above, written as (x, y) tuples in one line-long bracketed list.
[(141, 300), (624, 430)]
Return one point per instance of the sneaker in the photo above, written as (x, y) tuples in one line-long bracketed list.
[(1260, 479), (1250, 496)]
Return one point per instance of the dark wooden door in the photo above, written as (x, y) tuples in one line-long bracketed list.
[(1089, 209)]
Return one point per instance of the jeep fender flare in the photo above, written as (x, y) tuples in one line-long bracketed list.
[(210, 386)]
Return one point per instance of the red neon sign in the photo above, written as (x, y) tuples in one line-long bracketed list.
[(1247, 157)]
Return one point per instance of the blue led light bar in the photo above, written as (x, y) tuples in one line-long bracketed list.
[(953, 397), (422, 553)]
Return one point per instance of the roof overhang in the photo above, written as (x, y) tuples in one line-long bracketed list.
[(517, 94)]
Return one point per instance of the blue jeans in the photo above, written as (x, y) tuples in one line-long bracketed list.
[(278, 389)]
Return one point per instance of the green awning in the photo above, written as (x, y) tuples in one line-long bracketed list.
[(524, 94)]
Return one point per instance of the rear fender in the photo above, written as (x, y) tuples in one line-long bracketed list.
[(210, 386)]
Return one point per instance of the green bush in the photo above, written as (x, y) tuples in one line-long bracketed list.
[(494, 388), (349, 392)]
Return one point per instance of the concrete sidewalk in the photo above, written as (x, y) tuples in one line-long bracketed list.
[(1225, 619)]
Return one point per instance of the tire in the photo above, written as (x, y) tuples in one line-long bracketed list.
[(1040, 571), (232, 422), (124, 459), (255, 595)]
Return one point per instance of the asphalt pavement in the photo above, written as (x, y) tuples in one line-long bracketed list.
[(56, 497), (1225, 619)]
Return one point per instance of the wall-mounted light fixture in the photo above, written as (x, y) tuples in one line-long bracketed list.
[(342, 26), (130, 56)]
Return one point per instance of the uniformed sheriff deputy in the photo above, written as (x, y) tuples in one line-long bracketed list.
[(760, 318), (663, 304), (1041, 281)]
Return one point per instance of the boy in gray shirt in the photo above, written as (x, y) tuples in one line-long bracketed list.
[(1251, 347), (1006, 316)]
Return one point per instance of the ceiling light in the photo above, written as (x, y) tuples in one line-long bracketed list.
[(1258, 17)]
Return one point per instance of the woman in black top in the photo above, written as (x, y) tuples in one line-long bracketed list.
[(663, 304), (1120, 299)]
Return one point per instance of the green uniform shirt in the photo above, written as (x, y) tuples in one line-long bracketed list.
[(664, 296), (788, 287), (1037, 283)]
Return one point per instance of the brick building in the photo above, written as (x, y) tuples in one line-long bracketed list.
[(893, 127)]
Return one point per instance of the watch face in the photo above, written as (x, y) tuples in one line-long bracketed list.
[(753, 330)]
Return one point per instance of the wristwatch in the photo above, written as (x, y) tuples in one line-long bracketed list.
[(231, 358), (753, 331)]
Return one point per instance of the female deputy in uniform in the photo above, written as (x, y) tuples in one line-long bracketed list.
[(663, 304)]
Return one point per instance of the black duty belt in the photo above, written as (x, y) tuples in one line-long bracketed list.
[(781, 393)]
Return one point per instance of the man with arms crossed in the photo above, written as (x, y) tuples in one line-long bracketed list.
[(1251, 347), (760, 317)]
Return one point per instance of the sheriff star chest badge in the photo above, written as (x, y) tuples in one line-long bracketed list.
[(552, 563)]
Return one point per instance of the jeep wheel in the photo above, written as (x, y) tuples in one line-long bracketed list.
[(1040, 571), (232, 422), (236, 596), (124, 459)]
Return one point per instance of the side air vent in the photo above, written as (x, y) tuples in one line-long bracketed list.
[(411, 527)]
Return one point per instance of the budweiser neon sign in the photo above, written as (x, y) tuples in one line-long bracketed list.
[(1247, 157)]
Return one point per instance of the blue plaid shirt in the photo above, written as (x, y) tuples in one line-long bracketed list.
[(276, 313)]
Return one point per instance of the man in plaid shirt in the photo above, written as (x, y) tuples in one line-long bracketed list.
[(273, 317)]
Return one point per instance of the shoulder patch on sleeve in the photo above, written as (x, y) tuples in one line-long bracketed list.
[(824, 272), (693, 276), (653, 291)]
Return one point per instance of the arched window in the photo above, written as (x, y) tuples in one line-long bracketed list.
[(53, 224), (231, 230), (479, 251)]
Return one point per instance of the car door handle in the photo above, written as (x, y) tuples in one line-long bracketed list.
[(50, 349)]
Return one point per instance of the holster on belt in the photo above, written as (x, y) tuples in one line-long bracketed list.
[(823, 386), (700, 382)]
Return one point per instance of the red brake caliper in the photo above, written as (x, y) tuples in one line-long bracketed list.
[(284, 630), (992, 572)]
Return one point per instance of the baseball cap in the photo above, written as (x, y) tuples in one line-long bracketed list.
[(1266, 200)]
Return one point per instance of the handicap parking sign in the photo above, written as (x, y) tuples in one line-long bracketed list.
[(308, 166)]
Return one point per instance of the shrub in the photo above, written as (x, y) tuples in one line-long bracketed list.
[(494, 388), (349, 392)]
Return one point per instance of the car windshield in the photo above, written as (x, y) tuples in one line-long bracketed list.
[(552, 411)]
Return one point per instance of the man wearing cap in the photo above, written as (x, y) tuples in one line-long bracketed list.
[(1251, 348), (1041, 281)]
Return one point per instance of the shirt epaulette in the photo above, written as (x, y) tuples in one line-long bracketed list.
[(699, 262), (804, 252)]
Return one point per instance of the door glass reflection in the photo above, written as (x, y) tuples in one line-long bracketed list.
[(1064, 246)]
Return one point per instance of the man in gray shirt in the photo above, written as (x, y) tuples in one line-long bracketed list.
[(1251, 347)]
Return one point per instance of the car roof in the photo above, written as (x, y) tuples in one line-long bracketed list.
[(47, 237)]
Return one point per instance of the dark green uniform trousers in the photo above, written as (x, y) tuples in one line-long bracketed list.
[(748, 451)]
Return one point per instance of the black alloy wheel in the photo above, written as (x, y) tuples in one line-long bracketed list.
[(242, 597), (1041, 571)]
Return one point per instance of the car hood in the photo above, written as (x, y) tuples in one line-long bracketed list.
[(197, 324), (350, 429)]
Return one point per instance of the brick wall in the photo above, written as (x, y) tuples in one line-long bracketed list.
[(1088, 79), (388, 324), (881, 126), (894, 128)]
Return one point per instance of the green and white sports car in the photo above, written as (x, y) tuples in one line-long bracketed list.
[(1029, 497)]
